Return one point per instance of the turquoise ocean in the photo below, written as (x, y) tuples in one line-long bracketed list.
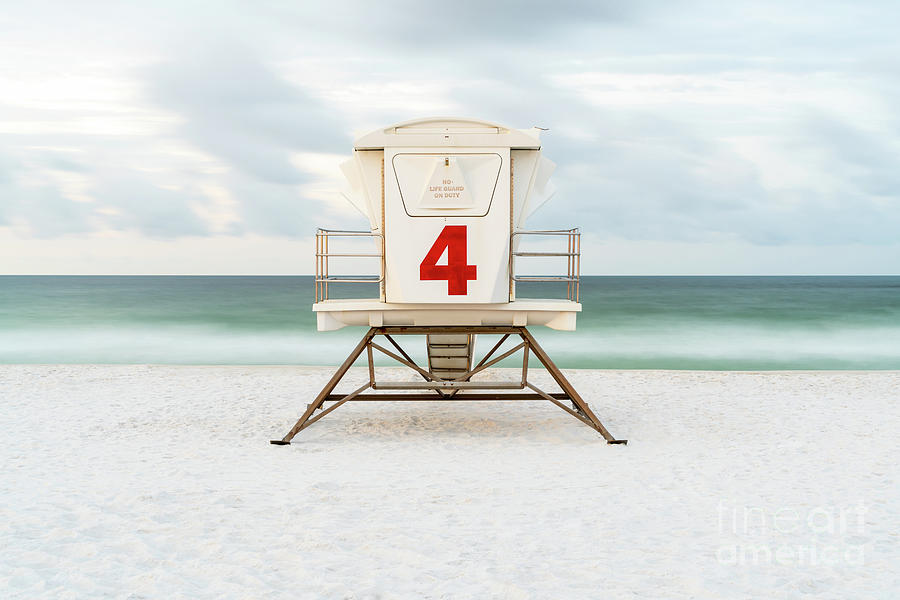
[(741, 323)]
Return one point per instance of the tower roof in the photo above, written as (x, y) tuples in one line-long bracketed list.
[(449, 131)]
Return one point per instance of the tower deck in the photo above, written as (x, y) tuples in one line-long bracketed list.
[(553, 313)]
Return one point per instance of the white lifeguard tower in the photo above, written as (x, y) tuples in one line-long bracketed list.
[(447, 200)]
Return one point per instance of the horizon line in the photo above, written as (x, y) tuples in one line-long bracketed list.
[(313, 275)]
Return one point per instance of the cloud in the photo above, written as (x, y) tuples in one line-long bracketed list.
[(708, 157), (34, 201), (58, 162), (137, 203), (42, 211), (866, 160), (424, 27), (688, 122), (237, 109), (38, 208)]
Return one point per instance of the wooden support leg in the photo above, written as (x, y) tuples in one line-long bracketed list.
[(555, 401), (581, 406), (329, 387), (346, 398), (580, 410)]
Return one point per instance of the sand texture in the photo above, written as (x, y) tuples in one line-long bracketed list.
[(159, 482)]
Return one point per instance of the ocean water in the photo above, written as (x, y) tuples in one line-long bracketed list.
[(741, 323)]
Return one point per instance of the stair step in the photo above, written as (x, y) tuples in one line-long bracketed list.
[(445, 375), (448, 351), (460, 362), (449, 338)]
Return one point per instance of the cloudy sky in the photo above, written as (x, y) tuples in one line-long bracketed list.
[(690, 137)]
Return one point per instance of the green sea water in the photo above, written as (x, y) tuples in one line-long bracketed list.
[(742, 323)]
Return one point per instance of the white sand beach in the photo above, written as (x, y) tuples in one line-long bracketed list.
[(160, 482)]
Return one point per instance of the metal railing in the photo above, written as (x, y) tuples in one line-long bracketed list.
[(323, 277), (572, 278)]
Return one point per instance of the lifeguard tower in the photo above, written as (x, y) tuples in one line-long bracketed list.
[(447, 200)]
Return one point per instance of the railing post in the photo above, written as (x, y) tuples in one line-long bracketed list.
[(325, 259), (512, 267), (578, 266)]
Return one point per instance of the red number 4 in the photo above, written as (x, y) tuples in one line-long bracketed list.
[(456, 271)]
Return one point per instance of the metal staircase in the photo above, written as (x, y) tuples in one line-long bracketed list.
[(450, 355)]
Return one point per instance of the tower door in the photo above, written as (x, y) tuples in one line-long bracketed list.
[(447, 225)]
